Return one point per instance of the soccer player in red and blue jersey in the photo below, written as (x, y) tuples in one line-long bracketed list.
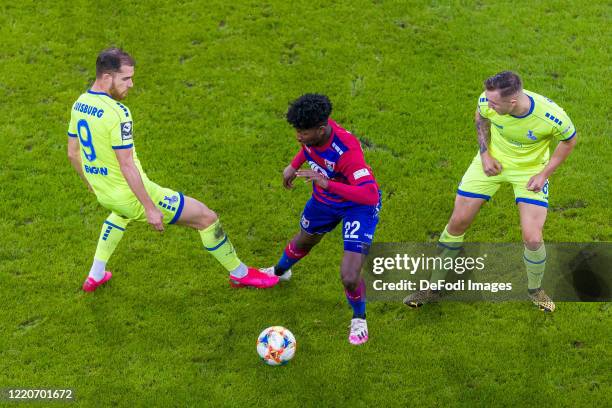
[(344, 191)]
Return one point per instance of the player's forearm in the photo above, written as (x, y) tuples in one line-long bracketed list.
[(366, 194), (483, 129), (298, 160), (75, 161), (559, 155), (134, 180)]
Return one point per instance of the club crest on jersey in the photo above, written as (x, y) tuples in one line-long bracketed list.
[(330, 165), (126, 130), (530, 135)]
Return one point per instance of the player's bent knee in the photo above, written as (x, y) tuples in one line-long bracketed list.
[(305, 246), (305, 242), (350, 281), (458, 224), (207, 217), (533, 242)]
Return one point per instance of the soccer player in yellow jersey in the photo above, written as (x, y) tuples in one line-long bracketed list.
[(102, 151), (515, 128)]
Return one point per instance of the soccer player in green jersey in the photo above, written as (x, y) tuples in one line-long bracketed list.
[(515, 128), (102, 151)]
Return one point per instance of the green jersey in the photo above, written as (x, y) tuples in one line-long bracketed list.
[(103, 125), (523, 141)]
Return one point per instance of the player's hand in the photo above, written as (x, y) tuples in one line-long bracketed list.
[(288, 177), (314, 176), (536, 183), (490, 165), (155, 218)]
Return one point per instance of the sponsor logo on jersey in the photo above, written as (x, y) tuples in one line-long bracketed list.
[(126, 130), (530, 135), (361, 173), (103, 171), (317, 168)]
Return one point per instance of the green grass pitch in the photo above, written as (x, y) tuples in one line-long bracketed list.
[(213, 80)]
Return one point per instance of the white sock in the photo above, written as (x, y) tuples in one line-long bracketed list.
[(97, 270), (240, 272)]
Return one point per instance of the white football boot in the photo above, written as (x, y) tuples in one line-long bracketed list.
[(358, 333), (270, 272)]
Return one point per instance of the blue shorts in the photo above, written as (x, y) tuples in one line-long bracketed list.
[(358, 222)]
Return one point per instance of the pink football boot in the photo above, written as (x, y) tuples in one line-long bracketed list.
[(91, 284), (254, 278)]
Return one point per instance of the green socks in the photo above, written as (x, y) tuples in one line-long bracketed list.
[(112, 232), (535, 262), (449, 246), (217, 243)]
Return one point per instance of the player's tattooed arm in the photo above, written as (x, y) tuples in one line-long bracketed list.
[(483, 128), (490, 165)]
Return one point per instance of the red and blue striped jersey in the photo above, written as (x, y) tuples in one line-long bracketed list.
[(340, 160)]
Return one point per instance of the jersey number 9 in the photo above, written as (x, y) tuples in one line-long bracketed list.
[(85, 138)]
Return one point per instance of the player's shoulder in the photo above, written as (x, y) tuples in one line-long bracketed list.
[(483, 106), (482, 99), (124, 111), (112, 110), (83, 98), (545, 104), (547, 110), (344, 140)]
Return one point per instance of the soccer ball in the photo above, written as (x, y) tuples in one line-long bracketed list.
[(276, 345)]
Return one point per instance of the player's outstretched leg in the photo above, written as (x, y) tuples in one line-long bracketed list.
[(295, 250), (198, 216), (112, 232), (450, 244), (534, 255), (355, 291)]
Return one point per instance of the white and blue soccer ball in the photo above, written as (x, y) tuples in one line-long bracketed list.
[(276, 345)]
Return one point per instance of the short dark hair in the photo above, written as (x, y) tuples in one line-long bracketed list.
[(309, 111), (111, 60), (506, 82)]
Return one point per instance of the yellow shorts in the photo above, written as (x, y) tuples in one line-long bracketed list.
[(476, 184), (168, 201)]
